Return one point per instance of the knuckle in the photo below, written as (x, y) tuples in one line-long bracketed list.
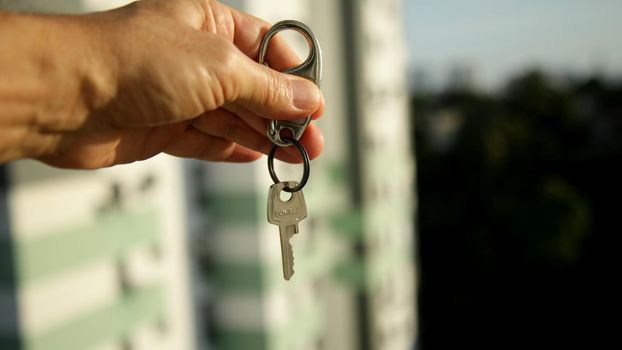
[(217, 74), (226, 66), (277, 89)]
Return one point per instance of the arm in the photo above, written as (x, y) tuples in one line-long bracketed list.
[(155, 76)]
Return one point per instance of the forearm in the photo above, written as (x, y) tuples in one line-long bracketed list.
[(51, 77)]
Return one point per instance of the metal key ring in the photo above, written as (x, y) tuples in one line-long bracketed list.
[(305, 160)]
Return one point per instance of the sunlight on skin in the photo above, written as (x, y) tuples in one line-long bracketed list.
[(180, 77)]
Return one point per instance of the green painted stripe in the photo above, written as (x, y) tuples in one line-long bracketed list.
[(348, 224), (232, 277), (265, 275), (351, 272), (361, 275), (338, 172), (108, 236), (353, 224), (240, 340), (232, 208), (306, 330), (104, 325), (259, 277)]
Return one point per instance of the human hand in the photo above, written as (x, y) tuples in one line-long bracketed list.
[(178, 77)]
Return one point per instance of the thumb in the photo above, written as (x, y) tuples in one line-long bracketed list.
[(275, 95)]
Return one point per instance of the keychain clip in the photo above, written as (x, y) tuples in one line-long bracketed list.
[(310, 69)]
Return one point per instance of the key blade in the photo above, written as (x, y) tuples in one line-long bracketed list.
[(287, 253), (286, 214)]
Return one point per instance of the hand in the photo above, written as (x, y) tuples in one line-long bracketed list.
[(178, 77)]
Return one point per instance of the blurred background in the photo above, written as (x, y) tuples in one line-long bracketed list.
[(518, 128), (466, 197), (177, 254)]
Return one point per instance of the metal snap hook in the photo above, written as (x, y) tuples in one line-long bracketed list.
[(310, 69)]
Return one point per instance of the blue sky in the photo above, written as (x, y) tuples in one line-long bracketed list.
[(499, 37)]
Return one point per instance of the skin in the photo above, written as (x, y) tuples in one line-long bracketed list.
[(115, 87)]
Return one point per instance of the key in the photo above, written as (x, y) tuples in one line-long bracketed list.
[(286, 214)]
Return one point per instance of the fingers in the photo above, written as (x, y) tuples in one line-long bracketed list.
[(270, 94), (245, 30), (226, 125), (249, 130), (195, 144), (218, 137), (260, 123), (242, 155), (248, 33), (312, 140)]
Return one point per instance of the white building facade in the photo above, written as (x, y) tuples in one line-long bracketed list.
[(178, 254)]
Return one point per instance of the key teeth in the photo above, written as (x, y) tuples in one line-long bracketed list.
[(287, 274)]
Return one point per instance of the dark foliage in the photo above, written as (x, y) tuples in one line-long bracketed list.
[(519, 198)]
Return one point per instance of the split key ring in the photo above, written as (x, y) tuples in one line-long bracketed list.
[(305, 162)]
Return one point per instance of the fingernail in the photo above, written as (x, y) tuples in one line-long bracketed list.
[(306, 94)]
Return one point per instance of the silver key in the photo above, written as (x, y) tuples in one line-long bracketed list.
[(286, 214)]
